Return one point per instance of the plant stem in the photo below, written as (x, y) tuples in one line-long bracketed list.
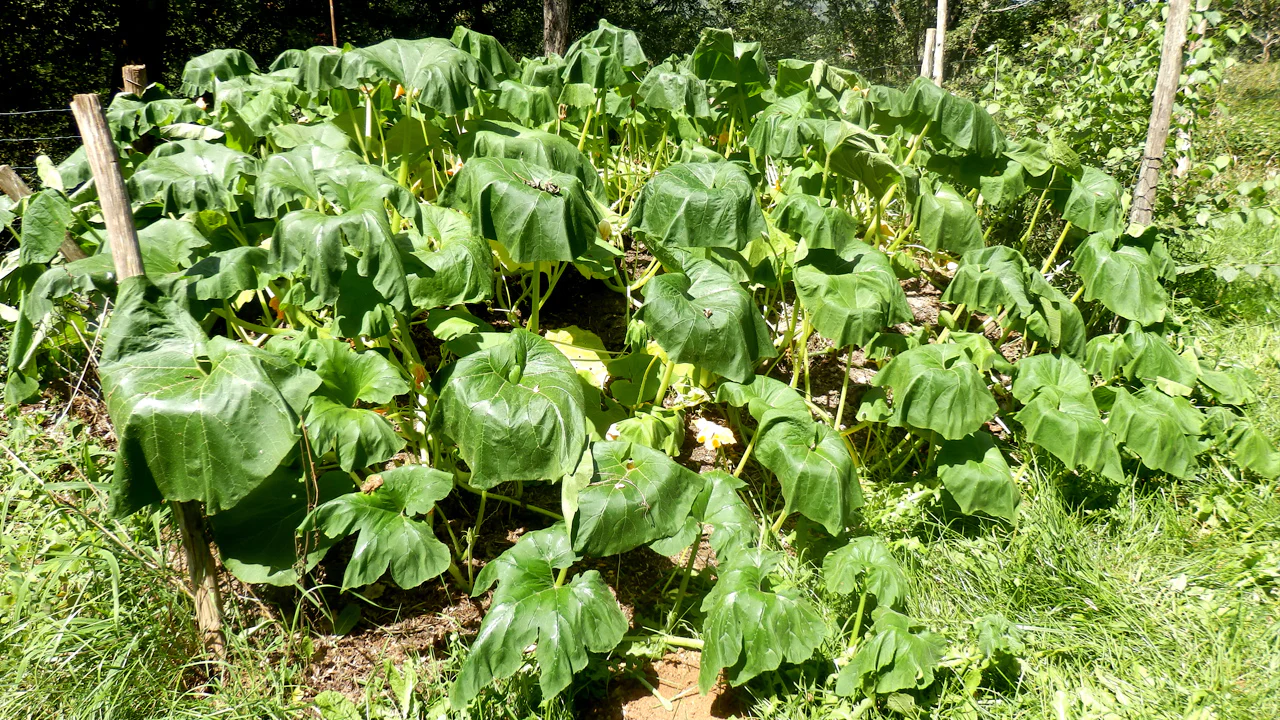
[(684, 584), (844, 388), (1048, 262), (512, 501), (660, 401), (747, 453), (673, 640), (1035, 216), (564, 571), (857, 621), (537, 297)]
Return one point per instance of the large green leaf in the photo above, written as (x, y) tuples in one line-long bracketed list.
[(487, 50), (820, 225), (733, 527), (865, 562), (433, 71), (613, 41), (531, 609), (1093, 203), (529, 104), (322, 67), (197, 418), (535, 147), (358, 436), (945, 219), (636, 496), (751, 628), (1050, 374), (460, 271), (1162, 431), (1152, 358), (974, 471), (292, 176), (536, 213), (320, 246), (936, 387), (897, 657), (699, 205), (45, 222), (704, 317), (390, 536), (191, 175), (958, 122), (674, 89), (718, 57), (851, 295), (516, 411), (203, 72), (1123, 278), (592, 68), (258, 538), (1069, 426), (990, 278)]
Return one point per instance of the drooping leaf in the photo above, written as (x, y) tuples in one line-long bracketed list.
[(898, 657), (529, 104), (936, 387), (1122, 278), (203, 72), (974, 471), (819, 225), (1050, 374), (699, 205), (258, 538), (390, 534), (718, 57), (433, 71), (537, 214), (45, 223), (460, 271), (851, 295), (733, 527), (613, 41), (991, 278), (530, 608), (945, 219), (292, 176), (1069, 426), (535, 147), (703, 317), (516, 411), (751, 628), (1151, 358), (1162, 431), (360, 437), (674, 89), (311, 243), (637, 495), (866, 563), (487, 50), (197, 418), (191, 175), (1093, 203)]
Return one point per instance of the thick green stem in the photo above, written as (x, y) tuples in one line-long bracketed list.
[(1035, 216), (747, 454), (537, 297), (844, 388), (666, 383), (1048, 262), (564, 572), (857, 621), (512, 501), (684, 584)]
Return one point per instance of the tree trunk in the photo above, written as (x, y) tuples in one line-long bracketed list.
[(555, 26), (1175, 36)]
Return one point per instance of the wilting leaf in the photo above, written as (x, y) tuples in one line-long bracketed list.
[(191, 175), (699, 205), (974, 471), (1162, 431), (1124, 279), (852, 295), (866, 563), (896, 658), (936, 387)]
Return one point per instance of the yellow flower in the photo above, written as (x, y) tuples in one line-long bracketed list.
[(711, 435)]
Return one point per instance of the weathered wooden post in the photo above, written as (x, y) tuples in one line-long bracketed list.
[(118, 216), (135, 78), (926, 58), (940, 40), (1175, 37)]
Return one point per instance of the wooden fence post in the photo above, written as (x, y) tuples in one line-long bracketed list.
[(926, 59), (1175, 37), (940, 40), (16, 189), (118, 216), (135, 78)]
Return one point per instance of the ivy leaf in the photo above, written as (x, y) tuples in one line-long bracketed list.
[(197, 418), (389, 534), (896, 658), (530, 608), (702, 316), (936, 387), (865, 562), (516, 411), (699, 205), (1163, 431), (638, 495), (751, 629), (974, 471), (850, 296)]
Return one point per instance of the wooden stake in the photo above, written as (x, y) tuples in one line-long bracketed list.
[(118, 216), (926, 58), (1175, 37), (940, 40), (135, 78), (333, 24), (13, 186)]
